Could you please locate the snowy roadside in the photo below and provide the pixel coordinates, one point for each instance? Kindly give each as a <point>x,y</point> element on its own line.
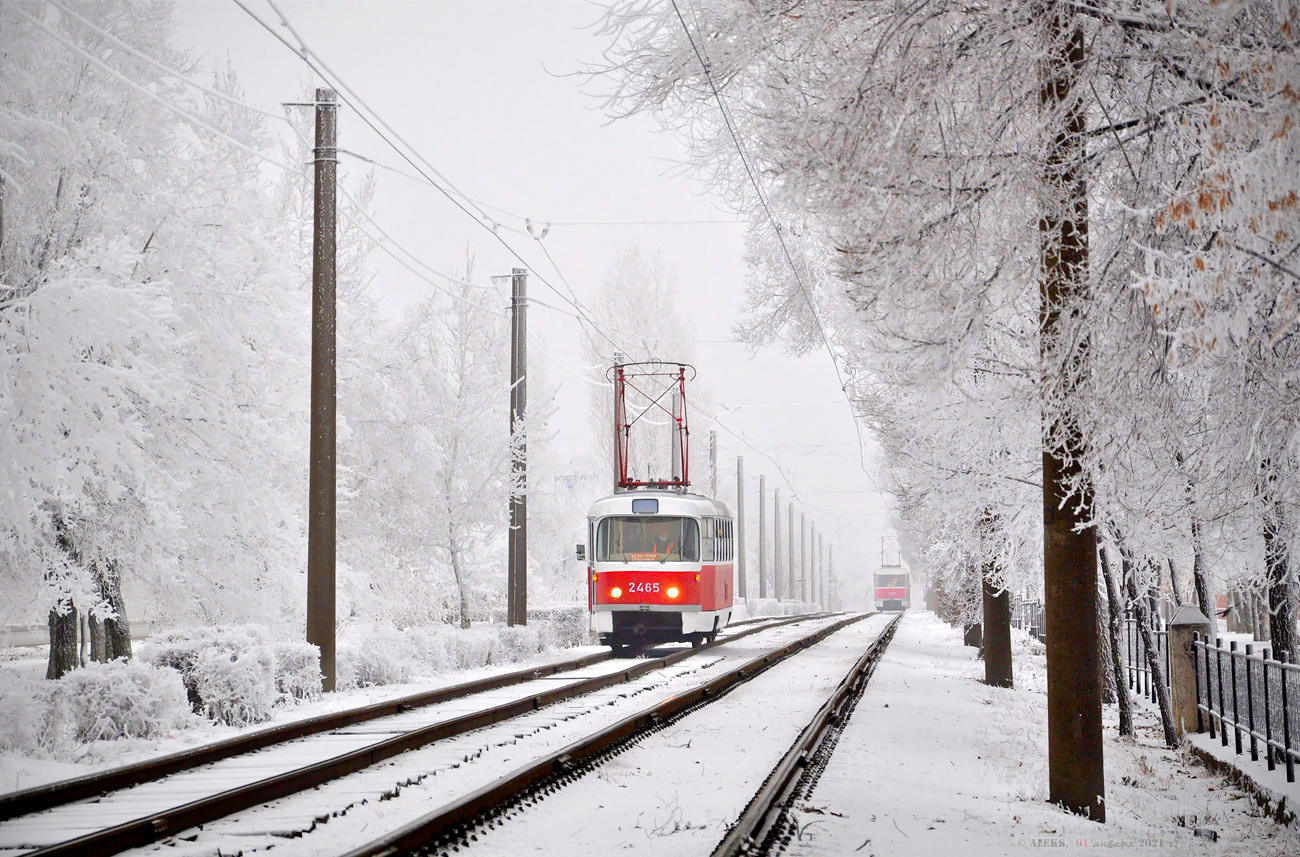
<point>935,762</point>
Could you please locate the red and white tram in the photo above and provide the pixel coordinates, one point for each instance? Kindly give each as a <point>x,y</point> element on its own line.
<point>661,567</point>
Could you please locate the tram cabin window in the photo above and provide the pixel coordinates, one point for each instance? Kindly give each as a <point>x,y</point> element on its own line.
<point>891,581</point>
<point>646,538</point>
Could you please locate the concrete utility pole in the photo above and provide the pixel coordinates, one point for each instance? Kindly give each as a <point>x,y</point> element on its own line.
<point>619,359</point>
<point>812,563</point>
<point>517,542</point>
<point>762,536</point>
<point>830,575</point>
<point>741,588</point>
<point>789,569</point>
<point>777,589</point>
<point>803,556</point>
<point>321,479</point>
<point>713,464</point>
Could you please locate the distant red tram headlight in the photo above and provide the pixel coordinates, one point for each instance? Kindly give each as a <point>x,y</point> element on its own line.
<point>615,592</point>
<point>673,592</point>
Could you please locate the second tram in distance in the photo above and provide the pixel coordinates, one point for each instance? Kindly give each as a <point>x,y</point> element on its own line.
<point>660,567</point>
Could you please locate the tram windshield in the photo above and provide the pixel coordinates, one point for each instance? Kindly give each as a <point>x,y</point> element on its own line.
<point>891,581</point>
<point>645,538</point>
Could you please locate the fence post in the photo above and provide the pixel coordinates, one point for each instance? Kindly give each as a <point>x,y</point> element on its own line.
<point>1250,707</point>
<point>1187,626</point>
<point>1286,721</point>
<point>1218,669</point>
<point>1268,717</point>
<point>1236,715</point>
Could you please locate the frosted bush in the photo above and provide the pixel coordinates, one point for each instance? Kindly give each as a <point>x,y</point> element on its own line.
<point>31,716</point>
<point>237,689</point>
<point>520,643</point>
<point>122,699</point>
<point>365,665</point>
<point>432,647</point>
<point>297,670</point>
<point>181,650</point>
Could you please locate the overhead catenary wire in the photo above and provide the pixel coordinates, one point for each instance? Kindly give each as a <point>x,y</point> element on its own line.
<point>349,96</point>
<point>387,240</point>
<point>776,227</point>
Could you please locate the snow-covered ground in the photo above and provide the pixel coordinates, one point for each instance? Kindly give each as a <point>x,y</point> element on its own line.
<point>935,762</point>
<point>19,771</point>
<point>676,791</point>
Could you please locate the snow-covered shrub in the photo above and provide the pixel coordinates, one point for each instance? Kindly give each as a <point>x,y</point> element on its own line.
<point>432,647</point>
<point>31,716</point>
<point>519,643</point>
<point>563,627</point>
<point>182,648</point>
<point>471,648</point>
<point>122,699</point>
<point>362,665</point>
<point>297,670</point>
<point>237,688</point>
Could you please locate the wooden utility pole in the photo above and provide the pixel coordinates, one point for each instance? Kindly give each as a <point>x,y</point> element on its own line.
<point>762,536</point>
<point>517,542</point>
<point>777,589</point>
<point>1076,773</point>
<point>321,505</point>
<point>741,588</point>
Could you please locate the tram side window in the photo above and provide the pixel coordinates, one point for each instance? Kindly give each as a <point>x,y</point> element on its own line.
<point>706,540</point>
<point>645,538</point>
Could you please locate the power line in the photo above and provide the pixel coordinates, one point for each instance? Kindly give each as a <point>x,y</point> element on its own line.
<point>348,95</point>
<point>744,160</point>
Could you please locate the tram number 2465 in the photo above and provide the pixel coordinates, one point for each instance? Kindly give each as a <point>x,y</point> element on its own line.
<point>643,587</point>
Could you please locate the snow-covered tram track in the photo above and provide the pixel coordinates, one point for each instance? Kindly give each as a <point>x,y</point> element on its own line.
<point>158,808</point>
<point>683,783</point>
<point>552,803</point>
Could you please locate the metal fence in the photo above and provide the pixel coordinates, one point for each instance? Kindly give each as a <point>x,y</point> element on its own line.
<point>1251,694</point>
<point>1245,692</point>
<point>1137,667</point>
<point>1030,616</point>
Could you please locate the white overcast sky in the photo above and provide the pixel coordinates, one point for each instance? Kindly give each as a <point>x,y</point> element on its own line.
<point>476,87</point>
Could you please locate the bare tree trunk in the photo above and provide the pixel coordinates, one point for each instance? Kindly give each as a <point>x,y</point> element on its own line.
<point>1108,674</point>
<point>117,629</point>
<point>63,615</point>
<point>1115,616</point>
<point>1154,663</point>
<point>462,586</point>
<point>1076,770</point>
<point>63,640</point>
<point>83,640</point>
<point>98,650</point>
<point>1204,597</point>
<point>1281,598</point>
<point>1173,583</point>
<point>997,632</point>
<point>1259,610</point>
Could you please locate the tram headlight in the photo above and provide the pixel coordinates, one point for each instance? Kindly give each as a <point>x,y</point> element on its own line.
<point>615,592</point>
<point>673,592</point>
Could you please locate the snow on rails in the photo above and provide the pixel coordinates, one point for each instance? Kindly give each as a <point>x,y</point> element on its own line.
<point>178,792</point>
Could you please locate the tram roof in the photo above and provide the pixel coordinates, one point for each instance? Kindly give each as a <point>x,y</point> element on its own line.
<point>670,503</point>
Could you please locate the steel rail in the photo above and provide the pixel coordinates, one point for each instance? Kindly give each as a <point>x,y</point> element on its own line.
<point>752,829</point>
<point>36,798</point>
<point>490,801</point>
<point>149,829</point>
